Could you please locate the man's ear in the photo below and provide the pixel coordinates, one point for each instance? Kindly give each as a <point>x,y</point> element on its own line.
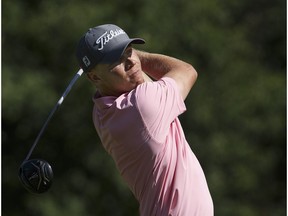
<point>91,76</point>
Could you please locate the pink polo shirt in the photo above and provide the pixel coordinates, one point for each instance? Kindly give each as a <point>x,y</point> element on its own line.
<point>142,133</point>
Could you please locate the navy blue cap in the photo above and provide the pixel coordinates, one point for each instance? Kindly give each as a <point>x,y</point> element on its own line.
<point>103,44</point>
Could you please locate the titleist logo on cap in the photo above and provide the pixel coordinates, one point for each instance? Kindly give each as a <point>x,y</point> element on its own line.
<point>106,37</point>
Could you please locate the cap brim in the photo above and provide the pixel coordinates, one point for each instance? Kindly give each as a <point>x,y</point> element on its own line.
<point>114,55</point>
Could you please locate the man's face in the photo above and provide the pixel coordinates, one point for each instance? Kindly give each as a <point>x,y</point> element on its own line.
<point>120,77</point>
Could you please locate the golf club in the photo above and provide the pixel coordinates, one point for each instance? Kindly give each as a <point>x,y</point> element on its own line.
<point>36,175</point>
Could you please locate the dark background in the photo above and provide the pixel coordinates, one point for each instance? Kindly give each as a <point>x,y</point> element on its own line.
<point>236,118</point>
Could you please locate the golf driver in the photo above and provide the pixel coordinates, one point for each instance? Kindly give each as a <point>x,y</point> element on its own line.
<point>36,175</point>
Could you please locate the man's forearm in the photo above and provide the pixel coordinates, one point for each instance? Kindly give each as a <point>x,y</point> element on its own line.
<point>157,65</point>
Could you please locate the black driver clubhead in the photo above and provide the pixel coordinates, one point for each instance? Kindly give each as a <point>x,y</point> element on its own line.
<point>36,175</point>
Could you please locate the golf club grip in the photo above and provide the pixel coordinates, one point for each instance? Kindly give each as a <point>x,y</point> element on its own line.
<point>77,75</point>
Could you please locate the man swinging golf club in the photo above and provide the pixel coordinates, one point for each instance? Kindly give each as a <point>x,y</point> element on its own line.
<point>136,118</point>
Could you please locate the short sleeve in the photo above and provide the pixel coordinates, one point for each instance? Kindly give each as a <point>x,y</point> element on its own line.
<point>159,104</point>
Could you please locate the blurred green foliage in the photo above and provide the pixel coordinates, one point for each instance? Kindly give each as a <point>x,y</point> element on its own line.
<point>236,118</point>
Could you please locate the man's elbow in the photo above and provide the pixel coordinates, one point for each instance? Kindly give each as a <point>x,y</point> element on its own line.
<point>188,80</point>
<point>192,74</point>
<point>195,74</point>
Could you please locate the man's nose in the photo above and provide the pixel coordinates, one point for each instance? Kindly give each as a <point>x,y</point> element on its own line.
<point>129,63</point>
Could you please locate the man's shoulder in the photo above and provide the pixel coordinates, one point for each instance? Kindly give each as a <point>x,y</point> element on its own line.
<point>153,93</point>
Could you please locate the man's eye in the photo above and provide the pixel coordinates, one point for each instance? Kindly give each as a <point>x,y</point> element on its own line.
<point>129,52</point>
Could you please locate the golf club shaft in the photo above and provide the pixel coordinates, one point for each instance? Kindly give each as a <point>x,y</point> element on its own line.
<point>60,101</point>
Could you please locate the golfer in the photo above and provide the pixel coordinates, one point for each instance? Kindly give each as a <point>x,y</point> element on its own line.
<point>138,99</point>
